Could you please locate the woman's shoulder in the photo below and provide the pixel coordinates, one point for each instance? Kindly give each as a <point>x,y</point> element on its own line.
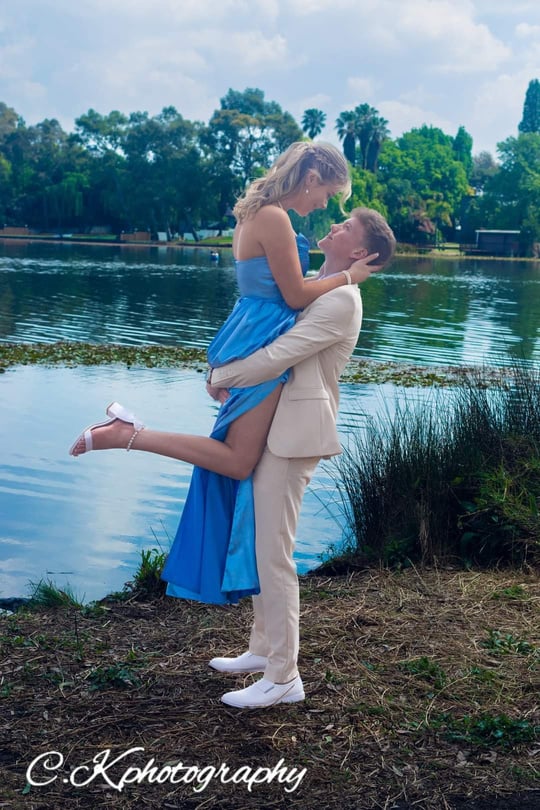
<point>272,214</point>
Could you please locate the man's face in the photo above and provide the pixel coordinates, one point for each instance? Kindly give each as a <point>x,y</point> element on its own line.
<point>345,241</point>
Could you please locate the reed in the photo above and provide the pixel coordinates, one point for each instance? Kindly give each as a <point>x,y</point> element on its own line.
<point>455,477</point>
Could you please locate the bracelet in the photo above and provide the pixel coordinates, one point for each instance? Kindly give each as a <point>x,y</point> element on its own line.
<point>347,276</point>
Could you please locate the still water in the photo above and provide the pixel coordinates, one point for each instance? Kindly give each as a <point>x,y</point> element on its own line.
<point>85,521</point>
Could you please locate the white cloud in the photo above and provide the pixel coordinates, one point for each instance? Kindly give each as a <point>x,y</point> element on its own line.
<point>498,107</point>
<point>526,31</point>
<point>462,45</point>
<point>403,117</point>
<point>305,7</point>
<point>361,87</point>
<point>249,49</point>
<point>407,58</point>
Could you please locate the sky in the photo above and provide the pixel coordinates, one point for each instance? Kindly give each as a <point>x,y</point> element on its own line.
<point>446,63</point>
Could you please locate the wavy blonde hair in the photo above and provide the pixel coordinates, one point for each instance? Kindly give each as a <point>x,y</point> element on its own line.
<point>287,174</point>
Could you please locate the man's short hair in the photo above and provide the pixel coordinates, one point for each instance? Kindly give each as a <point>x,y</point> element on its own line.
<point>379,237</point>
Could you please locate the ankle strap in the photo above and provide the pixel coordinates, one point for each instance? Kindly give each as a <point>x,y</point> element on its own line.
<point>133,437</point>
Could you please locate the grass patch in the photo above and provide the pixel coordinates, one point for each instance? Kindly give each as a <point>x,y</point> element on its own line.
<point>116,676</point>
<point>489,730</point>
<point>147,581</point>
<point>506,643</point>
<point>425,668</point>
<point>45,594</point>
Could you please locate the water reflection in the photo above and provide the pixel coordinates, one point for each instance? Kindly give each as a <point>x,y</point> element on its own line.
<point>84,521</point>
<point>433,311</point>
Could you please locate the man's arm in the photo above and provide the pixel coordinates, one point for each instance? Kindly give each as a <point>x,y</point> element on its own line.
<point>323,323</point>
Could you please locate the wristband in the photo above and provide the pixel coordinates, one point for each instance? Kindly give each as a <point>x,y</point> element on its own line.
<point>347,276</point>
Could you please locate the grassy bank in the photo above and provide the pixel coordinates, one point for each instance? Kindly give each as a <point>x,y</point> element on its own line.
<point>422,691</point>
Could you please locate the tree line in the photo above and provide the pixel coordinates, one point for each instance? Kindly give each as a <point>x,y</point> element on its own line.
<point>166,173</point>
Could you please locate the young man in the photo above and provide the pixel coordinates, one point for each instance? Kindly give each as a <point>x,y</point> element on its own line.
<point>303,431</point>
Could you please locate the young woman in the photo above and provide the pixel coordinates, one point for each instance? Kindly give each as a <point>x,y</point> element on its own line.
<point>212,558</point>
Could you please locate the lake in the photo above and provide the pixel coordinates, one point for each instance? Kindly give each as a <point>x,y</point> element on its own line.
<point>84,521</point>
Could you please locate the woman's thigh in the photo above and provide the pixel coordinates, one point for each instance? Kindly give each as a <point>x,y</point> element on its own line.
<point>247,435</point>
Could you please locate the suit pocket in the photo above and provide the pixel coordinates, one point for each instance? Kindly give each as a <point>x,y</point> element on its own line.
<point>308,393</point>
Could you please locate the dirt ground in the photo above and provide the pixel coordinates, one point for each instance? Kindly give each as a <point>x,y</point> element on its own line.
<point>421,692</point>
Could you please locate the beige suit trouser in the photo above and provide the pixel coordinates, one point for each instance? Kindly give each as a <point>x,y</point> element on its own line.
<point>278,486</point>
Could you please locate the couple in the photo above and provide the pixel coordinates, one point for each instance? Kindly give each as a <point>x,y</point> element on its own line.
<point>276,420</point>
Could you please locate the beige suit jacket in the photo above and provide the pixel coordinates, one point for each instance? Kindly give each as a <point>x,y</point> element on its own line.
<point>317,348</point>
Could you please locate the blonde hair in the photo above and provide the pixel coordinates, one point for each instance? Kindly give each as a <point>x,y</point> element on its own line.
<point>287,174</point>
<point>378,235</point>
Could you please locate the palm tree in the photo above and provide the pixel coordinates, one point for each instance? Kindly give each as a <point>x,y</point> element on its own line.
<point>379,134</point>
<point>367,124</point>
<point>313,122</point>
<point>346,130</point>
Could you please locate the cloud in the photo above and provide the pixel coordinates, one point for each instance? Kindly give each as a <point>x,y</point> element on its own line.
<point>462,45</point>
<point>250,49</point>
<point>498,107</point>
<point>526,31</point>
<point>403,117</point>
<point>361,87</point>
<point>416,57</point>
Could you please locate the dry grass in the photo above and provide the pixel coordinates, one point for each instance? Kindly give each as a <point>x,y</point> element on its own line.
<point>392,664</point>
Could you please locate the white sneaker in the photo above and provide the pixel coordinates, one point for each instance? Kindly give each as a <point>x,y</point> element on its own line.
<point>265,693</point>
<point>247,662</point>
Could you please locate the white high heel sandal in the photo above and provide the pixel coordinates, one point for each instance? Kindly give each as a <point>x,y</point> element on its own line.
<point>114,411</point>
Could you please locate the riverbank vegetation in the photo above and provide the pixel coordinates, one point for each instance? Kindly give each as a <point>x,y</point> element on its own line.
<point>135,172</point>
<point>358,370</point>
<point>421,692</point>
<point>454,477</point>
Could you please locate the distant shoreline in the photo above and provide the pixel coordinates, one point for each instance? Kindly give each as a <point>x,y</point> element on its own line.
<point>443,252</point>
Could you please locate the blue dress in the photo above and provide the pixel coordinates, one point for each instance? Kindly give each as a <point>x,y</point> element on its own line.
<point>212,558</point>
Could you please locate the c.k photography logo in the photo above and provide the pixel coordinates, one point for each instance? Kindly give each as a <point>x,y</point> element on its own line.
<point>117,772</point>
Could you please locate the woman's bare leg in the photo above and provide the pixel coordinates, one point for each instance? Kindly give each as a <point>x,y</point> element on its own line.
<point>236,457</point>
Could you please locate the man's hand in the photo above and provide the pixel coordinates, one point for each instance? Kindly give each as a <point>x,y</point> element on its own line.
<point>219,394</point>
<point>361,269</point>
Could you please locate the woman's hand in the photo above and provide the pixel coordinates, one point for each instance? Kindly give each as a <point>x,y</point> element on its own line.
<point>361,269</point>
<point>219,394</point>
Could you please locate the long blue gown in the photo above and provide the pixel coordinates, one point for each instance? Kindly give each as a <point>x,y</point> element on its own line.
<point>212,558</point>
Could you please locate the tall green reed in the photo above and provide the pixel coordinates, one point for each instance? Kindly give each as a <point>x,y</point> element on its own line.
<point>453,477</point>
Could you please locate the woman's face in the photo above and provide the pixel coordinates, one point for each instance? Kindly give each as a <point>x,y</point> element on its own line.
<point>314,195</point>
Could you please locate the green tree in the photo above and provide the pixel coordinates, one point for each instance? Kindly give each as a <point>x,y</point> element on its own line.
<point>366,190</point>
<point>371,131</point>
<point>248,133</point>
<point>484,167</point>
<point>101,133</point>
<point>9,121</point>
<point>365,126</point>
<point>530,121</point>
<point>512,196</point>
<point>424,183</point>
<point>462,146</point>
<point>313,122</point>
<point>346,130</point>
